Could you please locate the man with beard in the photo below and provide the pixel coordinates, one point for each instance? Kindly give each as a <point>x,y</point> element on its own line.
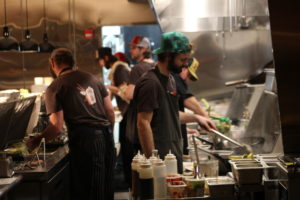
<point>158,119</point>
<point>80,100</point>
<point>141,52</point>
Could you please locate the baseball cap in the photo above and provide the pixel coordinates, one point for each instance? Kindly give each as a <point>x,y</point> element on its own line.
<point>121,56</point>
<point>173,42</point>
<point>140,41</point>
<point>192,67</point>
<point>104,51</point>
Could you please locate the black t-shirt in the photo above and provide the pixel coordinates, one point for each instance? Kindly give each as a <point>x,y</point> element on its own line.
<point>182,90</point>
<point>183,93</point>
<point>121,75</point>
<point>80,96</point>
<point>138,70</point>
<point>156,93</point>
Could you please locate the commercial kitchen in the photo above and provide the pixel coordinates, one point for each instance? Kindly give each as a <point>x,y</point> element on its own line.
<point>248,56</point>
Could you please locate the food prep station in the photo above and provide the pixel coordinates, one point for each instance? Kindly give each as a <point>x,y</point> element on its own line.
<point>263,114</point>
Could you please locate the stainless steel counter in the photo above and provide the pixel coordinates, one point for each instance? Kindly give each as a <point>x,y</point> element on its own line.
<point>47,182</point>
<point>50,167</point>
<point>6,184</point>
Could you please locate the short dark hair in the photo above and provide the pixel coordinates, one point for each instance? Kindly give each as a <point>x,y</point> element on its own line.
<point>112,59</point>
<point>63,56</point>
<point>104,51</point>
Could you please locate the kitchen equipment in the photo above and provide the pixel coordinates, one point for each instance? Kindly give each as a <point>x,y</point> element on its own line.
<point>224,166</point>
<point>242,147</point>
<point>220,187</point>
<point>248,172</point>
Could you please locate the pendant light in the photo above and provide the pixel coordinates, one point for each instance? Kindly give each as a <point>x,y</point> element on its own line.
<point>45,46</point>
<point>7,42</point>
<point>28,44</point>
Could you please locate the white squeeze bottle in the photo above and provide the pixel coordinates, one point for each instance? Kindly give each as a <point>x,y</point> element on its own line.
<point>171,163</point>
<point>159,179</point>
<point>153,158</point>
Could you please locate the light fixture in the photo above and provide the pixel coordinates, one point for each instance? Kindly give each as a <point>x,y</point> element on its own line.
<point>45,46</point>
<point>28,44</point>
<point>7,42</point>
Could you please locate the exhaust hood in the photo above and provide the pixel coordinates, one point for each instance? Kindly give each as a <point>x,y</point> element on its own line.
<point>210,15</point>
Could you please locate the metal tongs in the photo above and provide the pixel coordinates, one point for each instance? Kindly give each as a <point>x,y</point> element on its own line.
<point>244,147</point>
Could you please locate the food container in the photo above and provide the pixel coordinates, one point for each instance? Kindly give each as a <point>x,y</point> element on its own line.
<point>195,187</point>
<point>176,189</point>
<point>173,177</point>
<point>221,186</point>
<point>272,170</point>
<point>248,172</point>
<point>209,168</point>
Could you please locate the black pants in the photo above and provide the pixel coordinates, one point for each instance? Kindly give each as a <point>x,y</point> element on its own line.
<point>126,151</point>
<point>92,160</point>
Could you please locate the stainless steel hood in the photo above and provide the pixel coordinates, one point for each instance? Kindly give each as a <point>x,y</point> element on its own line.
<point>230,38</point>
<point>210,15</point>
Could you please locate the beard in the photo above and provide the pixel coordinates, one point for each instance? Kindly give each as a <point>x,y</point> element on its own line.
<point>172,67</point>
<point>52,73</point>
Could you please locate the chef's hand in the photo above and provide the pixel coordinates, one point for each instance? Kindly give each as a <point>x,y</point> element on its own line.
<point>33,142</point>
<point>192,131</point>
<point>205,123</point>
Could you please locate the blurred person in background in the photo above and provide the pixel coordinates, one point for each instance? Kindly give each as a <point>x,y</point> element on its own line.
<point>119,77</point>
<point>140,50</point>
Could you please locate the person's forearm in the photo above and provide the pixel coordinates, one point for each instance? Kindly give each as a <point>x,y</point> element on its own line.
<point>129,91</point>
<point>145,137</point>
<point>113,89</point>
<point>192,104</point>
<point>50,133</point>
<point>111,116</point>
<point>186,117</point>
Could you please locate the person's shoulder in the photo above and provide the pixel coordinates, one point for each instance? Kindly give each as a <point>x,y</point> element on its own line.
<point>149,78</point>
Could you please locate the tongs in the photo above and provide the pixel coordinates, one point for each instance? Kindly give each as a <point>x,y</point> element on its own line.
<point>244,147</point>
<point>217,156</point>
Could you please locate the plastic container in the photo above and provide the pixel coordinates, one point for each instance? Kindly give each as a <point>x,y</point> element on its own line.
<point>176,189</point>
<point>146,180</point>
<point>221,187</point>
<point>195,187</point>
<point>171,163</point>
<point>209,168</point>
<point>159,179</point>
<point>173,177</point>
